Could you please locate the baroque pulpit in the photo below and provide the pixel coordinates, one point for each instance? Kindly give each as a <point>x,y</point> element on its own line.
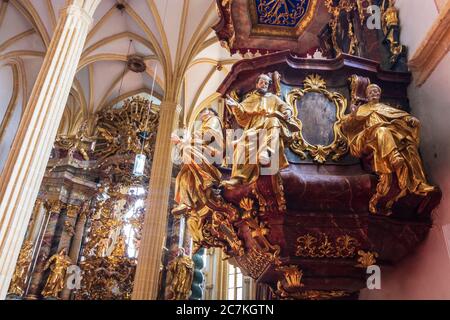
<point>313,227</point>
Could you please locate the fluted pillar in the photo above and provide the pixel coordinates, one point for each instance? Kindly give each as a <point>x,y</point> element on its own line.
<point>25,167</point>
<point>153,234</point>
<point>75,247</point>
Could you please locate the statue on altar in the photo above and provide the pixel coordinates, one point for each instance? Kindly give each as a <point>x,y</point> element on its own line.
<point>268,123</point>
<point>391,30</point>
<point>81,142</point>
<point>58,265</point>
<point>391,136</point>
<point>20,273</point>
<point>180,276</point>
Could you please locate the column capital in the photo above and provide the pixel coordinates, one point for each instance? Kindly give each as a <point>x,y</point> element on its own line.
<point>79,12</point>
<point>170,105</point>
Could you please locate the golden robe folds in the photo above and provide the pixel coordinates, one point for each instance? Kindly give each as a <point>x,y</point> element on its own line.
<point>261,115</point>
<point>392,137</point>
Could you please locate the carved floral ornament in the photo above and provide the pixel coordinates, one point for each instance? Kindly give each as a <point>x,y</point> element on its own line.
<point>320,153</point>
<point>281,18</point>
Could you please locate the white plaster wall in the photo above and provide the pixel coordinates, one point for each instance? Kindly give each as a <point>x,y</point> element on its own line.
<point>416,18</point>
<point>6,88</point>
<point>10,132</point>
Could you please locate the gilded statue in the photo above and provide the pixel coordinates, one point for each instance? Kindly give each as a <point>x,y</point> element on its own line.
<point>58,265</point>
<point>391,137</point>
<point>198,173</point>
<point>17,286</point>
<point>391,29</point>
<point>266,118</point>
<point>120,250</point>
<point>81,141</point>
<point>180,276</point>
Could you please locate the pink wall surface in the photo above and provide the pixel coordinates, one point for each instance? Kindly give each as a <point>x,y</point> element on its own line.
<point>425,274</point>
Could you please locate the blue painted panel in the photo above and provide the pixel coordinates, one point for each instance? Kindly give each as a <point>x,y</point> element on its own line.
<point>286,13</point>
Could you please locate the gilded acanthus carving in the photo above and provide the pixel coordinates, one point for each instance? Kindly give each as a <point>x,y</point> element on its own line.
<point>291,287</point>
<point>292,278</point>
<point>390,137</point>
<point>366,259</point>
<point>320,153</point>
<point>321,246</point>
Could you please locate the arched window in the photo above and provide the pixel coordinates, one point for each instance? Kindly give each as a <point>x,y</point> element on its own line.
<point>235,283</point>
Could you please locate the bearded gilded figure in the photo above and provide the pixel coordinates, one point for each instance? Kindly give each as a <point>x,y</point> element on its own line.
<point>391,136</point>
<point>266,118</point>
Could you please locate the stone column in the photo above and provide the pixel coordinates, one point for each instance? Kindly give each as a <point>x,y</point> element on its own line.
<point>75,247</point>
<point>74,252</point>
<point>153,234</point>
<point>44,249</point>
<point>69,226</point>
<point>36,221</point>
<point>25,167</point>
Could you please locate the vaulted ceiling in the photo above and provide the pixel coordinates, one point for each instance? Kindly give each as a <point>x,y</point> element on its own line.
<point>174,38</point>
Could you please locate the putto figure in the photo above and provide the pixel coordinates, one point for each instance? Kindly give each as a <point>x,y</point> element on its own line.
<point>391,136</point>
<point>58,265</point>
<point>268,122</point>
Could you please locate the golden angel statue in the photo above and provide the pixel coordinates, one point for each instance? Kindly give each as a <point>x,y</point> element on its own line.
<point>17,286</point>
<point>264,117</point>
<point>391,136</point>
<point>180,276</point>
<point>58,265</point>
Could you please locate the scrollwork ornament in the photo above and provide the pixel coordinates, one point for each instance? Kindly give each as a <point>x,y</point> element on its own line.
<point>339,147</point>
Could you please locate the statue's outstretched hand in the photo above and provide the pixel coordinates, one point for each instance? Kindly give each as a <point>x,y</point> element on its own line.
<point>286,114</point>
<point>231,102</point>
<point>413,122</point>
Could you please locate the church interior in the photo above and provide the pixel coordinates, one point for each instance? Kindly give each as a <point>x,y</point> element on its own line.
<point>224,150</point>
